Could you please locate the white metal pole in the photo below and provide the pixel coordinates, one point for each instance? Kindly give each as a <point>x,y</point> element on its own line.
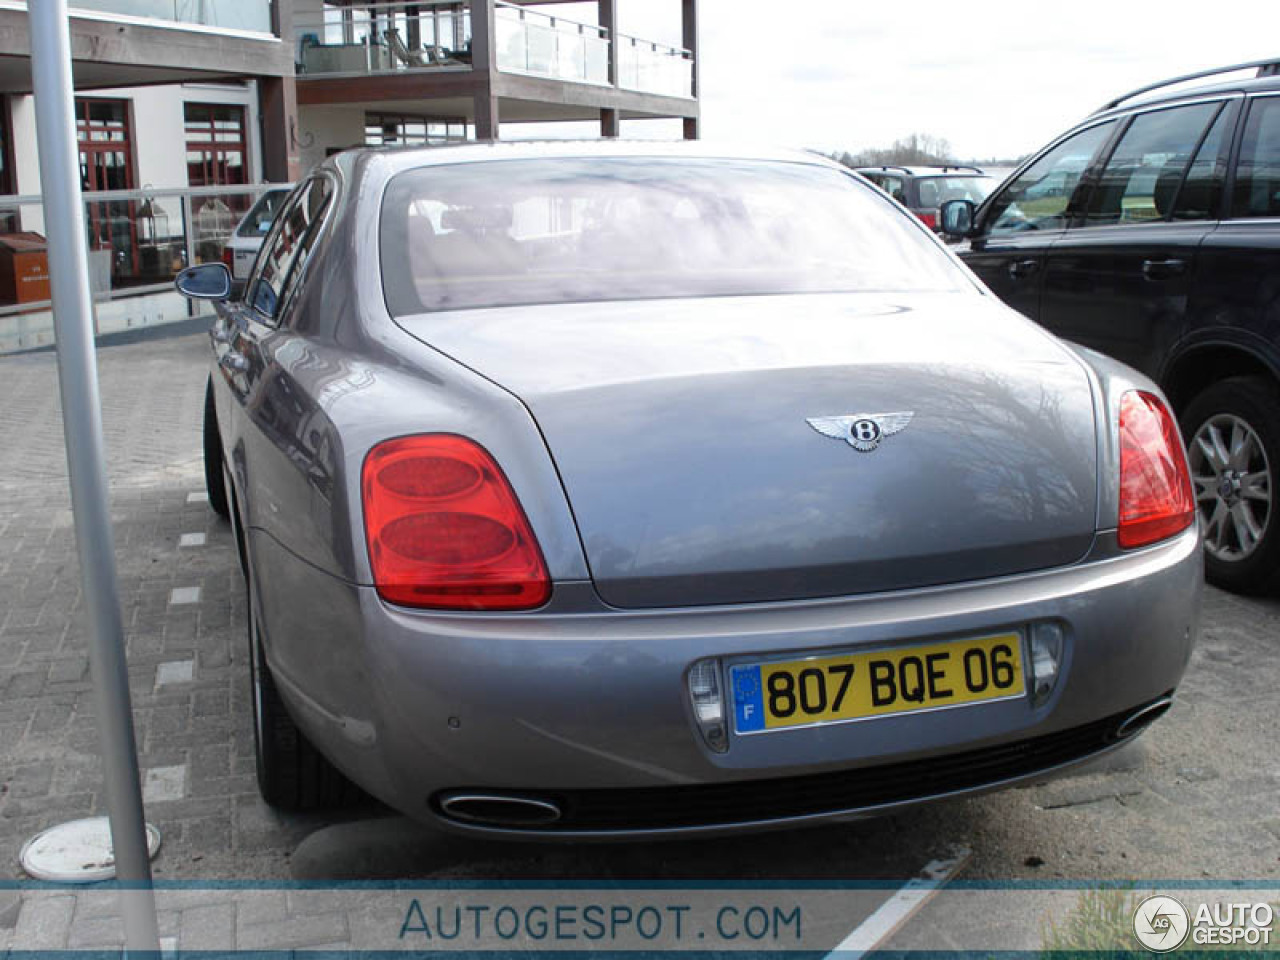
<point>82,428</point>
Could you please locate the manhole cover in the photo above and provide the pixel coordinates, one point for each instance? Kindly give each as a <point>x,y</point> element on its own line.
<point>76,852</point>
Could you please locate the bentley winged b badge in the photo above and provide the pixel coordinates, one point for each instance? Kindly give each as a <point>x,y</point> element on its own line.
<point>862,431</point>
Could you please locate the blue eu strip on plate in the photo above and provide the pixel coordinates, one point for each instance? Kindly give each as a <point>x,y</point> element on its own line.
<point>748,703</point>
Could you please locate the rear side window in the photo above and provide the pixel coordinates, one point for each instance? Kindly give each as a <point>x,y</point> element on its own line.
<point>1201,195</point>
<point>1039,198</point>
<point>1140,182</point>
<point>1257,190</point>
<point>575,229</point>
<point>288,245</point>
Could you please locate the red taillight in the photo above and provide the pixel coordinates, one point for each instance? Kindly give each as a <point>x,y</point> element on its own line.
<point>228,257</point>
<point>445,529</point>
<point>930,220</point>
<point>1156,500</point>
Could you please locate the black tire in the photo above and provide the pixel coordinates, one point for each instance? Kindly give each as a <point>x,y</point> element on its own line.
<point>292,773</point>
<point>214,483</point>
<point>1235,495</point>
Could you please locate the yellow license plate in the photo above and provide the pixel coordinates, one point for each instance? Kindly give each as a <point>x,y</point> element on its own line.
<point>792,693</point>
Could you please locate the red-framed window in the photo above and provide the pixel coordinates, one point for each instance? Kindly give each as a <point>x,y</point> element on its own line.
<point>105,136</point>
<point>217,151</point>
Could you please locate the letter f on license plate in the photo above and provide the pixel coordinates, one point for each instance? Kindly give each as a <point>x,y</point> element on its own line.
<point>793,693</point>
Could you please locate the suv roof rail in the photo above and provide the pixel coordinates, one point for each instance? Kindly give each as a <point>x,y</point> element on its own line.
<point>960,166</point>
<point>885,166</point>
<point>1266,68</point>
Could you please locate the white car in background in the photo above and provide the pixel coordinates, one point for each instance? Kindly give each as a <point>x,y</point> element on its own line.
<point>246,239</point>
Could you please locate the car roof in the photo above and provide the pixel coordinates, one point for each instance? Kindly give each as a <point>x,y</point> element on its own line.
<point>1267,78</point>
<point>393,160</point>
<point>950,170</point>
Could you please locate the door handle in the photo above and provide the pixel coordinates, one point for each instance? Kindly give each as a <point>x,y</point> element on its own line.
<point>1023,268</point>
<point>233,362</point>
<point>1160,269</point>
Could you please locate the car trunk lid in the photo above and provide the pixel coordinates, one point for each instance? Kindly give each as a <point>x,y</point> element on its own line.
<point>679,429</point>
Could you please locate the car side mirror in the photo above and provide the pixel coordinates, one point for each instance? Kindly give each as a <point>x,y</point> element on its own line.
<point>956,218</point>
<point>207,281</point>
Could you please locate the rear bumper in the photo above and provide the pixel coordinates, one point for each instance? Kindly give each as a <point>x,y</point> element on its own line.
<point>587,706</point>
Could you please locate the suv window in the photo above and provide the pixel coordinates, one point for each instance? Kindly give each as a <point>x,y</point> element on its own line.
<point>289,241</point>
<point>1140,181</point>
<point>1039,197</point>
<point>895,187</point>
<point>1257,191</point>
<point>1201,195</point>
<point>935,191</point>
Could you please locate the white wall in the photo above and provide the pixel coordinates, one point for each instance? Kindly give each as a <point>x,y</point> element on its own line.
<point>325,128</point>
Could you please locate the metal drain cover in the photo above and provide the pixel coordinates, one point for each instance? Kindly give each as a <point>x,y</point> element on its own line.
<point>77,852</point>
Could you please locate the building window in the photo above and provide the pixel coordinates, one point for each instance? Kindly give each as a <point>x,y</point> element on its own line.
<point>216,150</point>
<point>397,130</point>
<point>217,156</point>
<point>106,163</point>
<point>6,150</point>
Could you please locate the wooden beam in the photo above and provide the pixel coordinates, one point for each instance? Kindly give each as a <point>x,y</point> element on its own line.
<point>425,84</point>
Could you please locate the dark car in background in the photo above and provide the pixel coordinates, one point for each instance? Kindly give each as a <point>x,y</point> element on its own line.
<point>1151,232</point>
<point>922,190</point>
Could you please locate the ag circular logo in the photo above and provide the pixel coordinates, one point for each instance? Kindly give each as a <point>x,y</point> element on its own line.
<point>868,431</point>
<point>1161,923</point>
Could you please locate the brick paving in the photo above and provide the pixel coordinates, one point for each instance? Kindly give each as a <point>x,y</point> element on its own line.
<point>185,663</point>
<point>1201,797</point>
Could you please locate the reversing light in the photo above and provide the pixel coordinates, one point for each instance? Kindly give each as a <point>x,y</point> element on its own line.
<point>1046,660</point>
<point>445,529</point>
<point>1156,500</point>
<point>708,704</point>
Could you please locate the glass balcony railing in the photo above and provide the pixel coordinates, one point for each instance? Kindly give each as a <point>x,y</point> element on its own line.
<point>654,68</point>
<point>247,15</point>
<point>340,39</point>
<point>382,37</point>
<point>138,241</point>
<point>536,43</point>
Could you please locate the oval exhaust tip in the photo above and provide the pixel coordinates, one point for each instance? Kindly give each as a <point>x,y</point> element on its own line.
<point>498,810</point>
<point>1140,719</point>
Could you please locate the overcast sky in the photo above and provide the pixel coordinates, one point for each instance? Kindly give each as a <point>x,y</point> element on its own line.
<point>993,78</point>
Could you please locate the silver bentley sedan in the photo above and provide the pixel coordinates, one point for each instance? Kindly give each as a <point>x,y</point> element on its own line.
<point>634,489</point>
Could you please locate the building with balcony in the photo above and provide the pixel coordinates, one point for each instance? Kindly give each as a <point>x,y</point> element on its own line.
<point>366,67</point>
<point>186,107</point>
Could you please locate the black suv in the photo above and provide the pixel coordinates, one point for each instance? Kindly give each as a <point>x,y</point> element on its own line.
<point>1151,232</point>
<point>922,190</point>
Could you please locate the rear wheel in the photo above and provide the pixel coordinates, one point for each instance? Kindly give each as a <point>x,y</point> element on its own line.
<point>214,483</point>
<point>1232,431</point>
<point>292,773</point>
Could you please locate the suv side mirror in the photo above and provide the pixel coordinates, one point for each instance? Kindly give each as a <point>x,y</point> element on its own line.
<point>208,281</point>
<point>955,217</point>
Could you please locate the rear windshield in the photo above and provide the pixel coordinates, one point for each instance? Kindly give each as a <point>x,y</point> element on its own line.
<point>257,221</point>
<point>564,230</point>
<point>935,191</point>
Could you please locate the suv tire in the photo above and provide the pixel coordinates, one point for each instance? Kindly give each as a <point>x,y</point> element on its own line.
<point>1232,431</point>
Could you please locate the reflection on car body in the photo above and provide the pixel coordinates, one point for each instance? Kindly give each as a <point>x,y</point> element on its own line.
<point>540,540</point>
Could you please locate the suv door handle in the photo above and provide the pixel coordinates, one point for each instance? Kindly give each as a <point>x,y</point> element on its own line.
<point>1161,269</point>
<point>1023,268</point>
